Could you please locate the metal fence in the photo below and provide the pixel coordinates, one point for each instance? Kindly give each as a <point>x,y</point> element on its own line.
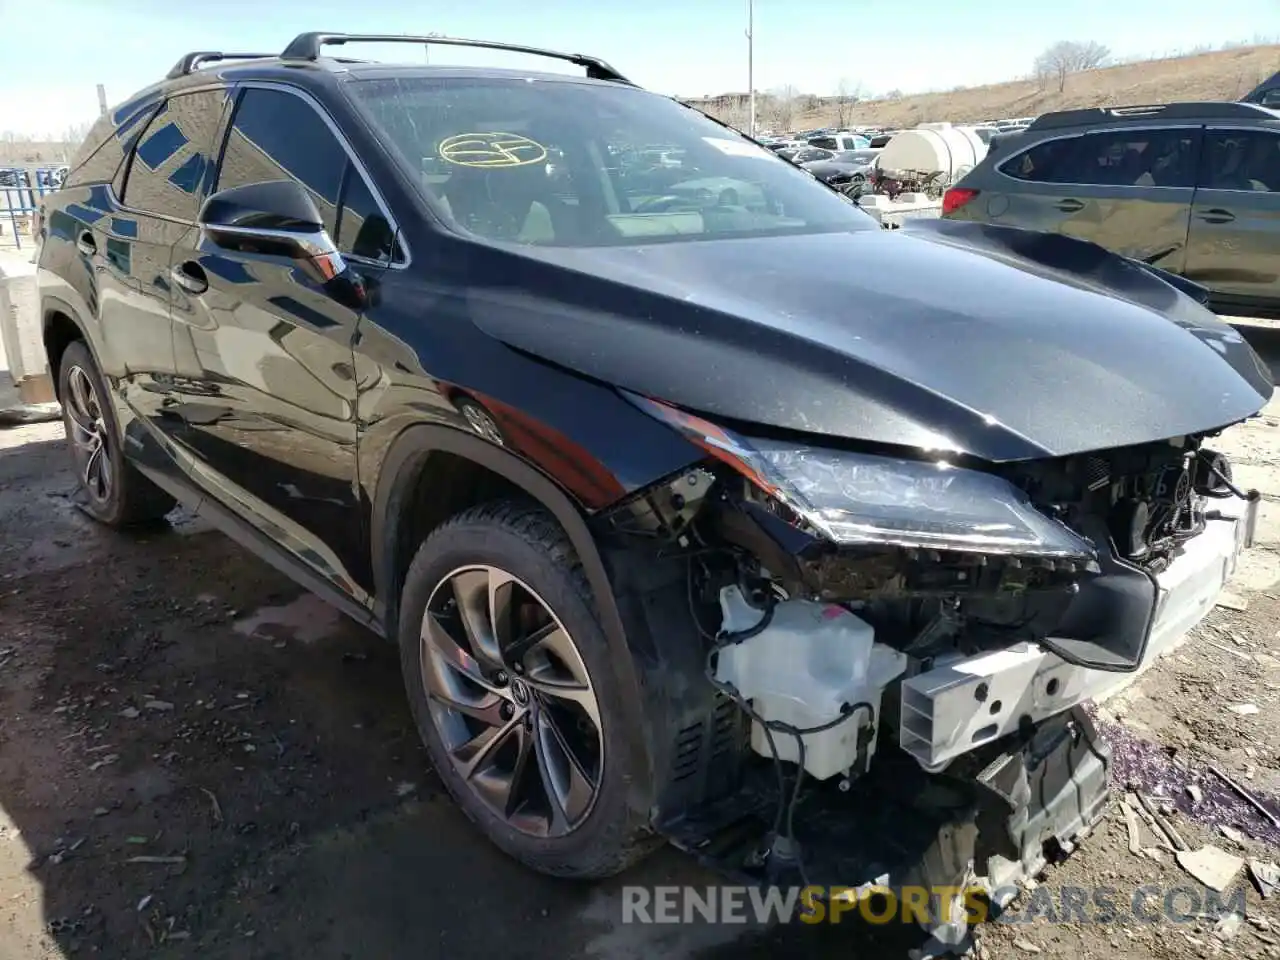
<point>21,189</point>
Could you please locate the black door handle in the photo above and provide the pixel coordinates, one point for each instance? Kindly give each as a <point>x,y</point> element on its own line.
<point>1069,205</point>
<point>190,276</point>
<point>86,244</point>
<point>1216,215</point>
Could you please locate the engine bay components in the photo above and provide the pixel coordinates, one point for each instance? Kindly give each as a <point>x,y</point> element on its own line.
<point>807,666</point>
<point>914,637</point>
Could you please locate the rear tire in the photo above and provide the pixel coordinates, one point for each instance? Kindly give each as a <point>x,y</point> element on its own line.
<point>114,492</point>
<point>536,731</point>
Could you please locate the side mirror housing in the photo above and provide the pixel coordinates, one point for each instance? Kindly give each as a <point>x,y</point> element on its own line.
<point>274,218</point>
<point>274,205</point>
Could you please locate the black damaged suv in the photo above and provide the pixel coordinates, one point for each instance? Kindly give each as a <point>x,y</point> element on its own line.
<point>700,507</point>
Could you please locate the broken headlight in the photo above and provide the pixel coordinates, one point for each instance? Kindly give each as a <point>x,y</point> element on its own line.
<point>858,498</point>
<point>867,499</point>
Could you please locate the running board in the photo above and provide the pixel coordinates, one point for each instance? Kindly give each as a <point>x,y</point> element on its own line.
<point>242,532</point>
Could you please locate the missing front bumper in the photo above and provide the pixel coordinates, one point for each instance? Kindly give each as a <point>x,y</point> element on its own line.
<point>963,704</point>
<point>1041,800</point>
<point>928,839</point>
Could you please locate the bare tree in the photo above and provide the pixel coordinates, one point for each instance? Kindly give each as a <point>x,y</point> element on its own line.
<point>736,114</point>
<point>1042,70</point>
<point>1067,57</point>
<point>848,92</point>
<point>783,107</point>
<point>1055,62</point>
<point>75,134</point>
<point>1091,55</point>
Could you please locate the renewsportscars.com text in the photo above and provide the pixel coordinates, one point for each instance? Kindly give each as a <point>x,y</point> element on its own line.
<point>910,904</point>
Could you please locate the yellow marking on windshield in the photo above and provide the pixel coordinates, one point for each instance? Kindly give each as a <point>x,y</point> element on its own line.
<point>491,150</point>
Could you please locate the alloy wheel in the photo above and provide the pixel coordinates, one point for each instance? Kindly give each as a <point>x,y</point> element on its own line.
<point>512,701</point>
<point>90,438</point>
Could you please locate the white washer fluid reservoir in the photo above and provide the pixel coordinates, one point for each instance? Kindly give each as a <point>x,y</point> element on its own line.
<point>801,669</point>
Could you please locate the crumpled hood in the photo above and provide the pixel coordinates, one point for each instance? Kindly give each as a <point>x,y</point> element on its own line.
<point>996,342</point>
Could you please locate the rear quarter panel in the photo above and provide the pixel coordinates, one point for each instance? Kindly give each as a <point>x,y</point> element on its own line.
<point>68,280</point>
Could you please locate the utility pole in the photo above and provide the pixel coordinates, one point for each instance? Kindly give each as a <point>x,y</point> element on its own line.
<point>751,74</point>
<point>426,47</point>
<point>102,100</point>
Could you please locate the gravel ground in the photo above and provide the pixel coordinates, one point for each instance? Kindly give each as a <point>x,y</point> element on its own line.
<point>196,759</point>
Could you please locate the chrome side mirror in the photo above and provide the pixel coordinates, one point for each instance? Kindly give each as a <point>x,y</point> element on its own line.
<point>275,218</point>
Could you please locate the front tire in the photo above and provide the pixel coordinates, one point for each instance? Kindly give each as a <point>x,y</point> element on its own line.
<point>509,679</point>
<point>115,493</point>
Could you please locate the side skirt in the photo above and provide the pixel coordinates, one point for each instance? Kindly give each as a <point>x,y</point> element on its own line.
<point>243,533</point>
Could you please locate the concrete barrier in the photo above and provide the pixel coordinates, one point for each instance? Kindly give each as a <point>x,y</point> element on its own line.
<point>26,387</point>
<point>907,206</point>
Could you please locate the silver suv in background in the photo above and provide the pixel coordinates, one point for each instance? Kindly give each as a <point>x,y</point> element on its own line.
<point>1192,188</point>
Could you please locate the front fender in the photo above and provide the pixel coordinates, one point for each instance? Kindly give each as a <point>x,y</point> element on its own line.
<point>401,472</point>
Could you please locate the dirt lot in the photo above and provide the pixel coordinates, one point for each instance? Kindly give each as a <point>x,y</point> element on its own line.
<point>198,760</point>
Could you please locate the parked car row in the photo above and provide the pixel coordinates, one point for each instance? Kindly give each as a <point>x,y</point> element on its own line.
<point>50,177</point>
<point>849,169</point>
<point>830,141</point>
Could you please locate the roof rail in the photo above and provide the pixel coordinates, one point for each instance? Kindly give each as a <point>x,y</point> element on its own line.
<point>1208,110</point>
<point>192,61</point>
<point>306,46</point>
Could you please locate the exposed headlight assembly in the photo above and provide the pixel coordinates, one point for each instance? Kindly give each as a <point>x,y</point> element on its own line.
<point>865,499</point>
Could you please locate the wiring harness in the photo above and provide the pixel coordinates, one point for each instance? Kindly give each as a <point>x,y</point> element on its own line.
<point>783,849</point>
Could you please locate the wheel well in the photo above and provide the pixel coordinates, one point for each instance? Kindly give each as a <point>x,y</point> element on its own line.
<point>430,473</point>
<point>60,331</point>
<point>447,484</point>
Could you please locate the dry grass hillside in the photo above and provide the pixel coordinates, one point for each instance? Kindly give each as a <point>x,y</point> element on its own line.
<point>1221,75</point>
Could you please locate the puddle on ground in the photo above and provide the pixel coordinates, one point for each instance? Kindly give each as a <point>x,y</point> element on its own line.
<point>1150,767</point>
<point>306,620</point>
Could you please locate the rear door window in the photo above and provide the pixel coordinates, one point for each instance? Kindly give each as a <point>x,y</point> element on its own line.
<point>107,144</point>
<point>1046,162</point>
<point>172,162</point>
<point>1246,160</point>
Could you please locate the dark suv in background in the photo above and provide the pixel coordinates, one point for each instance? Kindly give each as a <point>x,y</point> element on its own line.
<point>1193,188</point>
<point>690,496</point>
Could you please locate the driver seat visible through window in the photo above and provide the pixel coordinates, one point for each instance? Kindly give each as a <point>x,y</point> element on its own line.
<point>508,203</point>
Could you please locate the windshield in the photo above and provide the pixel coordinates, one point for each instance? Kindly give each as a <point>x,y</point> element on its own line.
<point>857,156</point>
<point>575,164</point>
